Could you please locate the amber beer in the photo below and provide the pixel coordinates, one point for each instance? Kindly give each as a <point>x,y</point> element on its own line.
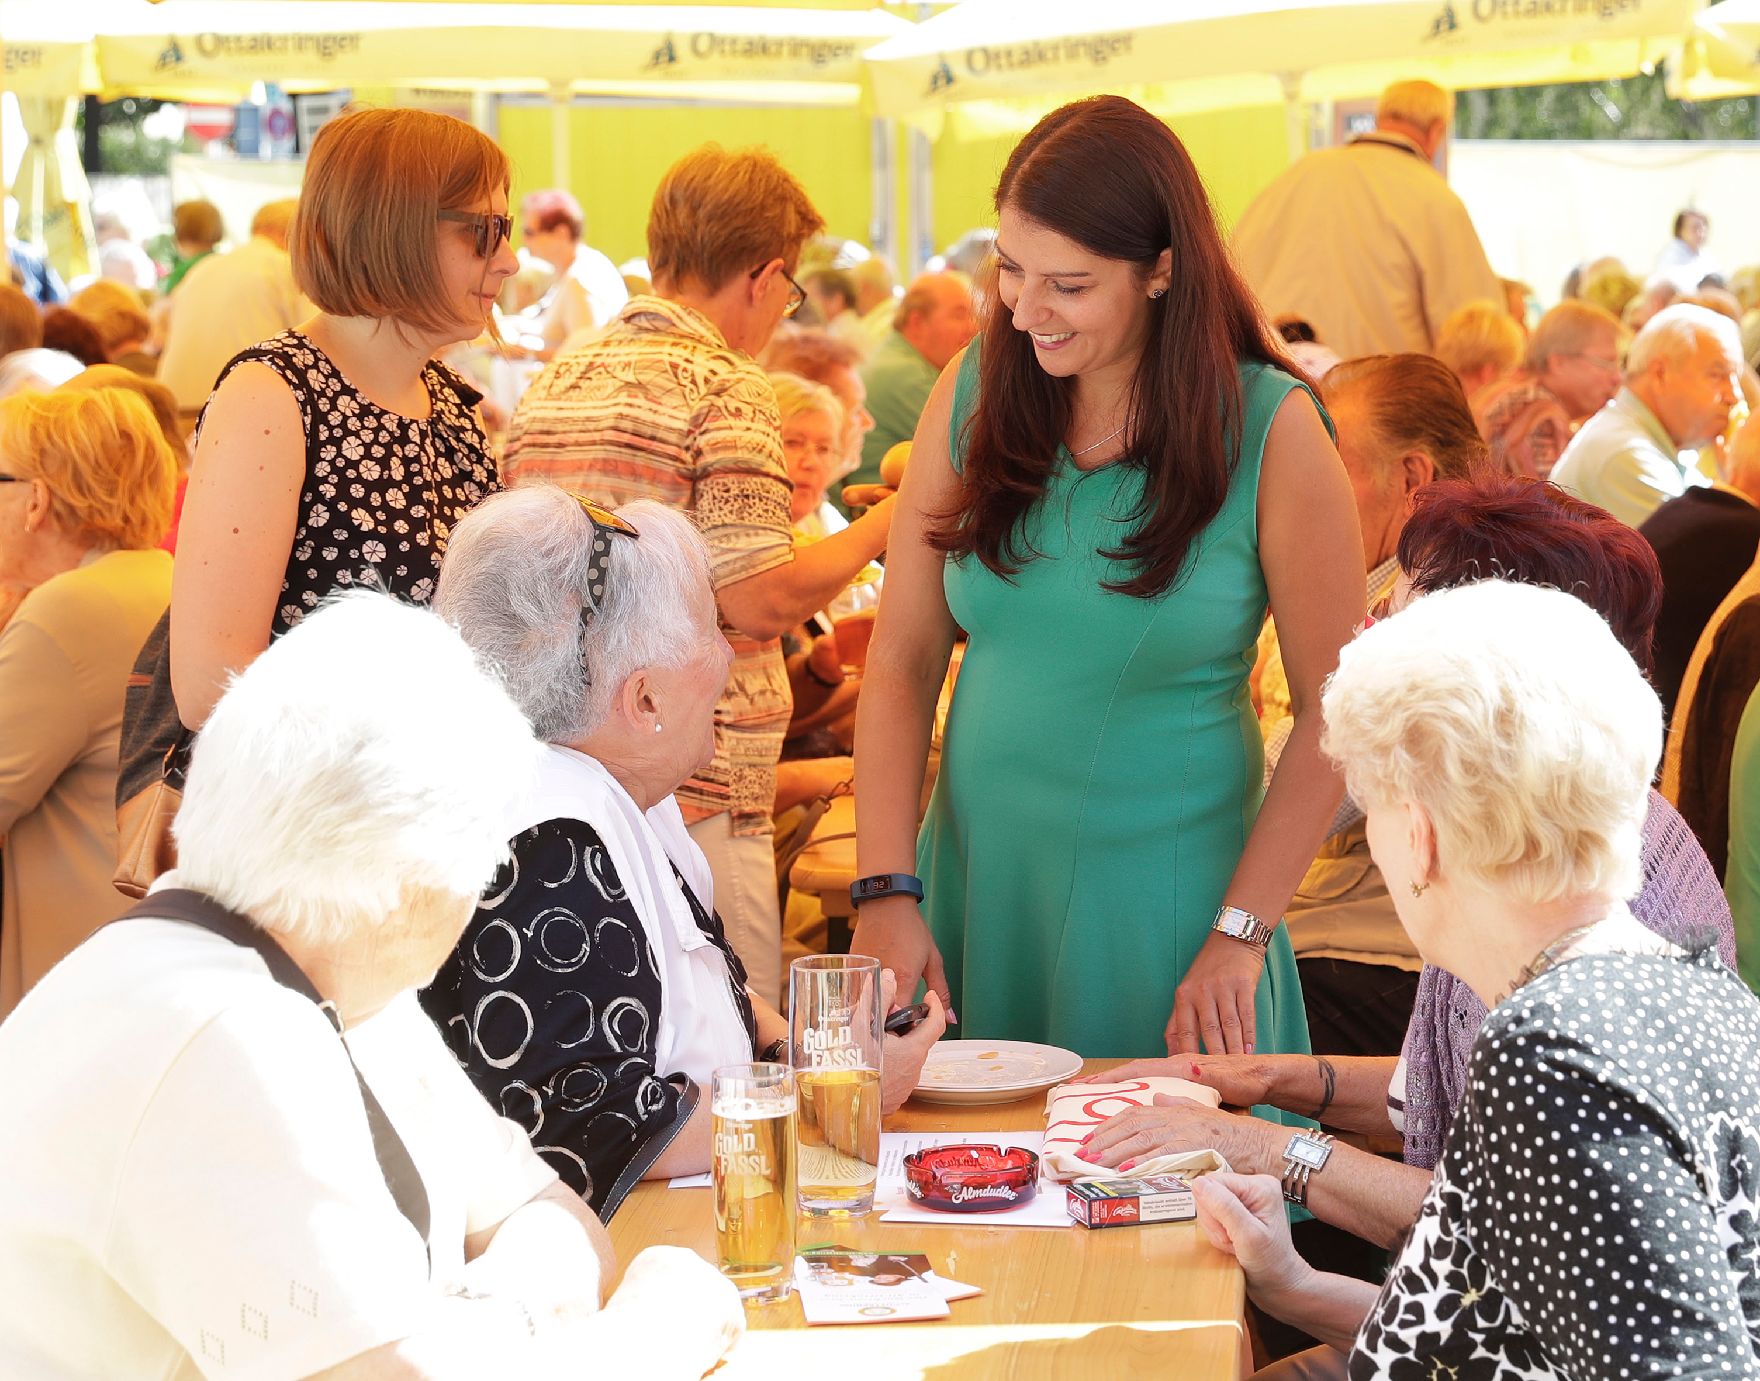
<point>752,1154</point>
<point>834,1020</point>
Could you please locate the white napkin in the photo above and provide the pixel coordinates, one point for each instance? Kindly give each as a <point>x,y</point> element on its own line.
<point>1072,1111</point>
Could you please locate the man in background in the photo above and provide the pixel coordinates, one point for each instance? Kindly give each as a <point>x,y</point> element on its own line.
<point>1682,378</point>
<point>1683,263</point>
<point>229,302</point>
<point>1367,242</point>
<point>933,322</point>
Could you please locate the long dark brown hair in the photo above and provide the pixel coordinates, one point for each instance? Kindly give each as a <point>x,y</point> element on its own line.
<point>1108,175</point>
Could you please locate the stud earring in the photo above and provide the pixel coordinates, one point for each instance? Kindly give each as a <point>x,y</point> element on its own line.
<point>1158,292</point>
<point>658,728</point>
<point>1419,890</point>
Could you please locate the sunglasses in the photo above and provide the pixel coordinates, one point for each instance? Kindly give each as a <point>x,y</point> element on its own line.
<point>606,524</point>
<point>797,295</point>
<point>492,231</point>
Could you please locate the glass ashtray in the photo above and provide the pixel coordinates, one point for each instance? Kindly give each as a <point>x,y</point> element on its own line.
<point>972,1179</point>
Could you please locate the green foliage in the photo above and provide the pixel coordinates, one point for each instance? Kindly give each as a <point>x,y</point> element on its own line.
<point>123,147</point>
<point>1633,108</point>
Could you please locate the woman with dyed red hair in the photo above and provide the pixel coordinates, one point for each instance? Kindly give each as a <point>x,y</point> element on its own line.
<point>1106,490</point>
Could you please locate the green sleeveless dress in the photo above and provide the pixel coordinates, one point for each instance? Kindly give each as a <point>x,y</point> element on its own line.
<point>1101,768</point>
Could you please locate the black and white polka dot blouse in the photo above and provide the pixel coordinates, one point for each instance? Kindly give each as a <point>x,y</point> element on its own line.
<point>1594,1212</point>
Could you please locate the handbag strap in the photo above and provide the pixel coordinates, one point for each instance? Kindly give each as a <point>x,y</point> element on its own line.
<point>690,1093</point>
<point>395,1163</point>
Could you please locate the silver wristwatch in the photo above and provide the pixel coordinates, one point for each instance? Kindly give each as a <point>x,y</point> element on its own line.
<point>1243,926</point>
<point>1306,1153</point>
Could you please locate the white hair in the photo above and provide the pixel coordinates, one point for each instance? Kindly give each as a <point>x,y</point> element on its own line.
<point>1674,333</point>
<point>1420,104</point>
<point>1519,723</point>
<point>365,759</point>
<point>36,370</point>
<point>514,583</point>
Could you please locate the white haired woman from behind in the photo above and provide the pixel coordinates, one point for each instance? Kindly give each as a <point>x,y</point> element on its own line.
<point>596,985</point>
<point>192,1183</point>
<point>1592,1212</point>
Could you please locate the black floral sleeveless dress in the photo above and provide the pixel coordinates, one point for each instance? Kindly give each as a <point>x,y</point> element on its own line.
<point>382,492</point>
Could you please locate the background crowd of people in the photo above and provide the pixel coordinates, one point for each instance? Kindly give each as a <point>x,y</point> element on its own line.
<point>1201,531</point>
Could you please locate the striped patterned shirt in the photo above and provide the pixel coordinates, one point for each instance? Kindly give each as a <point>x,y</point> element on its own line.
<point>661,407</point>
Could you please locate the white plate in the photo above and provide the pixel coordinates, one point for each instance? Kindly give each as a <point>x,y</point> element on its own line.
<point>993,1071</point>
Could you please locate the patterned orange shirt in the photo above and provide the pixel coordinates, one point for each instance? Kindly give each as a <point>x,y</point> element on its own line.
<point>661,407</point>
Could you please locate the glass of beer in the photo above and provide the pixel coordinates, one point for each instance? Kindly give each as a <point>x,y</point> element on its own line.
<point>853,633</point>
<point>834,1017</point>
<point>752,1165</point>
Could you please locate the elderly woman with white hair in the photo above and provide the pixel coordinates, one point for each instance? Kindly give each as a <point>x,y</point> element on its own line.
<point>1592,1212</point>
<point>234,1145</point>
<point>594,991</point>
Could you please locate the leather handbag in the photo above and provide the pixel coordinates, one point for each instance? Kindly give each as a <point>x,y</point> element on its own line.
<point>152,761</point>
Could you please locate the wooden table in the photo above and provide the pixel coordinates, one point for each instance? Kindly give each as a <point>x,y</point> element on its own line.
<point>1058,1302</point>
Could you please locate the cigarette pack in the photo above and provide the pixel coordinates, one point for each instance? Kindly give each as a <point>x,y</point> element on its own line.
<point>1116,1203</point>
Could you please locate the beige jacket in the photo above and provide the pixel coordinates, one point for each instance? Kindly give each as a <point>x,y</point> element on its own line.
<point>64,660</point>
<point>1367,244</point>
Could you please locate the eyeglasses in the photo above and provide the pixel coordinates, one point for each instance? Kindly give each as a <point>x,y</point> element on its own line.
<point>492,231</point>
<point>797,295</point>
<point>605,525</point>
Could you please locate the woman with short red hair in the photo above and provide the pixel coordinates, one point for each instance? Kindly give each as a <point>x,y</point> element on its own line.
<point>340,453</point>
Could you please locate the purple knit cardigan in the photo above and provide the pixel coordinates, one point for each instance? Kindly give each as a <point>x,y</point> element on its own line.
<point>1681,901</point>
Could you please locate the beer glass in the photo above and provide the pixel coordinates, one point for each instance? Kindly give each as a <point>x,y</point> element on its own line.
<point>834,1017</point>
<point>752,1164</point>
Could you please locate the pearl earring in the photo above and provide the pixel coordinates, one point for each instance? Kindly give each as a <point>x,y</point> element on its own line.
<point>659,728</point>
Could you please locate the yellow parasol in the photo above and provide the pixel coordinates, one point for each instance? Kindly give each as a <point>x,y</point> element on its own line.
<point>1215,54</point>
<point>1722,57</point>
<point>216,49</point>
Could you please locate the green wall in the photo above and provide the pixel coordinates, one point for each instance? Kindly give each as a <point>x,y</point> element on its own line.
<point>618,152</point>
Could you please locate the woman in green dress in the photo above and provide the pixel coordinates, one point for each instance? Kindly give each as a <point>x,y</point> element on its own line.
<point>1105,492</point>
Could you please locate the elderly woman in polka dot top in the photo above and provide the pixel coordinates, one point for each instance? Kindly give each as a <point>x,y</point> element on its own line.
<point>1593,1210</point>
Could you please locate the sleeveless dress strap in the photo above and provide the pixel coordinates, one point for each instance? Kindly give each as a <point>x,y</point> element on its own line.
<point>965,403</point>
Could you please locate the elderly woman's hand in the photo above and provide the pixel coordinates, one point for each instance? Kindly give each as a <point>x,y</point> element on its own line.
<point>1241,1080</point>
<point>901,1059</point>
<point>1170,1126</point>
<point>1244,1216</point>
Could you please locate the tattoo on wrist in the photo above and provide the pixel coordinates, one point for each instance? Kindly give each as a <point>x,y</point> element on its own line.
<point>1328,1086</point>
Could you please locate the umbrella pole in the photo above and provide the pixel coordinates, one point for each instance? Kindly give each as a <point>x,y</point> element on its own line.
<point>883,226</point>
<point>1295,114</point>
<point>561,112</point>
